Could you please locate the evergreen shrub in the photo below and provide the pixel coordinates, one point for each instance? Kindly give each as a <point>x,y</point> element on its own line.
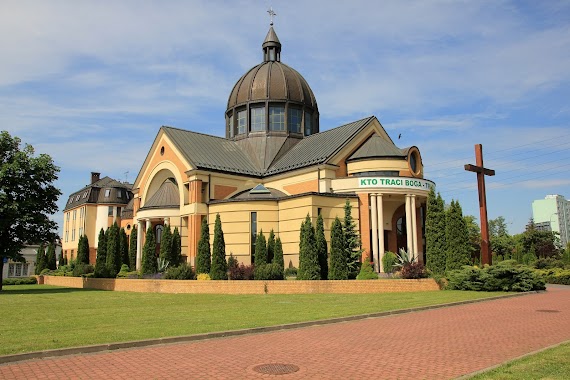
<point>20,281</point>
<point>82,269</point>
<point>219,268</point>
<point>548,263</point>
<point>389,261</point>
<point>180,272</point>
<point>270,271</point>
<point>555,276</point>
<point>291,272</point>
<point>367,272</point>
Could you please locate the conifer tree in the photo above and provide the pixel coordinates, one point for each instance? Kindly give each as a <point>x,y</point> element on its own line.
<point>101,260</point>
<point>219,269</point>
<point>41,261</point>
<point>457,238</point>
<point>321,246</point>
<point>435,234</point>
<point>351,242</point>
<point>270,246</point>
<point>83,250</point>
<point>176,250</point>
<point>203,259</point>
<point>260,250</point>
<point>61,261</point>
<point>50,257</point>
<point>124,247</point>
<point>338,270</point>
<point>309,268</point>
<point>149,264</point>
<point>133,250</point>
<point>166,244</point>
<point>113,251</point>
<point>278,255</point>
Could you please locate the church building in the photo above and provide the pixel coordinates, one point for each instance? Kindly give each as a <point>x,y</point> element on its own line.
<point>273,167</point>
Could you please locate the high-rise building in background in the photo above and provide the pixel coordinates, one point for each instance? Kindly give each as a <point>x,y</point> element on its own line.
<point>554,212</point>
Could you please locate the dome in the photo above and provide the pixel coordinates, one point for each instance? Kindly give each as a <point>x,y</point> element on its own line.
<point>271,99</point>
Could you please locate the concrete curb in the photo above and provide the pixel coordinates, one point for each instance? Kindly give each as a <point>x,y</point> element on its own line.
<point>231,333</point>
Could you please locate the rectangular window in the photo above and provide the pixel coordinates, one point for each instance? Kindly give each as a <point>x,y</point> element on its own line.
<point>119,193</point>
<point>294,118</point>
<point>107,193</point>
<point>231,126</point>
<point>258,119</point>
<point>11,270</point>
<point>308,124</point>
<point>241,121</point>
<point>253,228</point>
<point>110,211</point>
<point>74,214</point>
<point>118,211</point>
<point>66,236</point>
<point>319,210</point>
<point>85,194</point>
<point>77,197</point>
<point>68,216</point>
<point>25,268</point>
<point>80,231</point>
<point>276,118</point>
<point>18,272</point>
<point>73,234</point>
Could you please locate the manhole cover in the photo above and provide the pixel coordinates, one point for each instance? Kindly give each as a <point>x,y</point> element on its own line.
<point>276,368</point>
<point>548,311</point>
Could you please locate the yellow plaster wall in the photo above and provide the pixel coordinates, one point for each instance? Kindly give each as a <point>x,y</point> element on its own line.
<point>377,165</point>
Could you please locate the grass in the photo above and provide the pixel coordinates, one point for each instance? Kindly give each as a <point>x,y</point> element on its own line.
<point>551,364</point>
<point>39,317</point>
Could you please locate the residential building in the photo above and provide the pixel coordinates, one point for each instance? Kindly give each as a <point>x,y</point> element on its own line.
<point>554,211</point>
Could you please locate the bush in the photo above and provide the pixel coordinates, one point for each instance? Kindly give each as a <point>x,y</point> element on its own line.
<point>291,272</point>
<point>241,272</point>
<point>367,272</point>
<point>548,263</point>
<point>389,261</point>
<point>45,271</point>
<point>413,270</point>
<point>181,272</point>
<point>506,276</point>
<point>555,276</point>
<point>82,269</point>
<point>20,281</point>
<point>203,277</point>
<point>271,271</point>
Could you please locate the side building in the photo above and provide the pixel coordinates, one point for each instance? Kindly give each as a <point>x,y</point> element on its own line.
<point>553,213</point>
<point>96,206</point>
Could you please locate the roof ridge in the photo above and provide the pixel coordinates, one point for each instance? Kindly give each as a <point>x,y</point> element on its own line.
<point>194,132</point>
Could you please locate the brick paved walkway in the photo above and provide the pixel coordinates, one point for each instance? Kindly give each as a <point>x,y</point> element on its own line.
<point>434,344</point>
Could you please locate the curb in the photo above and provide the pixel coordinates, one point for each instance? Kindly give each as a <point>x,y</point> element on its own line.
<point>231,333</point>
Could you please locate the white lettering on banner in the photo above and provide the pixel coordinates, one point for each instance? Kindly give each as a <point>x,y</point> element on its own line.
<point>395,182</point>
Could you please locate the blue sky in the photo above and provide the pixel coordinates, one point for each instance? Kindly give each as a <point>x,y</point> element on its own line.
<point>91,82</point>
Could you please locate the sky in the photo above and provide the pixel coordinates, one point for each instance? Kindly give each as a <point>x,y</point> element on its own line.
<point>91,82</point>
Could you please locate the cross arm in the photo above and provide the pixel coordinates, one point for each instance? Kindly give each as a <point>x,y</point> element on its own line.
<point>478,169</point>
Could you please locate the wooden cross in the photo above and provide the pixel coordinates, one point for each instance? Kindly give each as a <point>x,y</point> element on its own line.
<point>481,173</point>
<point>271,14</point>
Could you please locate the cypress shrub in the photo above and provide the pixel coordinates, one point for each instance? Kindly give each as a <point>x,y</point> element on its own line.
<point>278,256</point>
<point>41,261</point>
<point>176,250</point>
<point>50,257</point>
<point>367,272</point>
<point>260,250</point>
<point>83,250</point>
<point>351,242</point>
<point>149,264</point>
<point>133,250</point>
<point>113,251</point>
<point>456,238</point>
<point>338,269</point>
<point>270,246</point>
<point>203,260</point>
<point>435,234</point>
<point>180,272</point>
<point>321,245</point>
<point>389,261</point>
<point>219,269</point>
<point>309,268</point>
<point>101,259</point>
<point>166,245</point>
<point>61,259</point>
<point>123,247</point>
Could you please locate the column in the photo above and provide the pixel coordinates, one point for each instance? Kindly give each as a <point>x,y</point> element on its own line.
<point>414,226</point>
<point>380,207</point>
<point>374,215</point>
<point>167,221</point>
<point>140,232</point>
<point>409,224</point>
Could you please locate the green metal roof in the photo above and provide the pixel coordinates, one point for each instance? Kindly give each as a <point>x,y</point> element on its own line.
<point>376,147</point>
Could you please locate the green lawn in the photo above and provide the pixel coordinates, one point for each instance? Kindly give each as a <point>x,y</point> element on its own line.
<point>39,317</point>
<point>550,364</point>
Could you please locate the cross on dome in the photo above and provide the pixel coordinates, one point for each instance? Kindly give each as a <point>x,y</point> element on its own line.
<point>271,14</point>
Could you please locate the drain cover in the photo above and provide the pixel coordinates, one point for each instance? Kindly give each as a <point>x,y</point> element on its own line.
<point>548,311</point>
<point>276,368</point>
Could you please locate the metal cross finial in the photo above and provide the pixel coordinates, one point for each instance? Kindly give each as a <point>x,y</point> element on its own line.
<point>271,14</point>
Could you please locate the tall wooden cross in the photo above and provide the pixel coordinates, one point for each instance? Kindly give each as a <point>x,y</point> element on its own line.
<point>481,173</point>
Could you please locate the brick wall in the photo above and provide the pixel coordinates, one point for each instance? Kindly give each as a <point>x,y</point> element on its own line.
<point>243,287</point>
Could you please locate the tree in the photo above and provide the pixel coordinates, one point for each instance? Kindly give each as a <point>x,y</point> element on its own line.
<point>351,242</point>
<point>124,247</point>
<point>435,233</point>
<point>278,255</point>
<point>41,261</point>
<point>541,243</point>
<point>260,256</point>
<point>27,198</point>
<point>456,238</point>
<point>321,246</point>
<point>474,233</point>
<point>337,269</point>
<point>219,269</point>
<point>308,260</point>
<point>502,244</point>
<point>83,250</point>
<point>149,264</point>
<point>113,251</point>
<point>203,259</point>
<point>101,259</point>
<point>62,260</point>
<point>270,246</point>
<point>50,257</point>
<point>166,244</point>
<point>176,250</point>
<point>133,250</point>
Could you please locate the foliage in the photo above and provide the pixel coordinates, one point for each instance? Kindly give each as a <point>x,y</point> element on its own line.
<point>389,262</point>
<point>126,272</point>
<point>505,276</point>
<point>81,269</point>
<point>27,198</point>
<point>404,258</point>
<point>113,260</point>
<point>278,254</point>
<point>176,251</point>
<point>203,259</point>
<point>555,275</point>
<point>203,277</point>
<point>238,271</point>
<point>123,247</point>
<point>20,281</point>
<point>351,242</point>
<point>101,260</point>
<point>83,250</point>
<point>474,233</point>
<point>161,264</point>
<point>367,272</point>
<point>308,261</point>
<point>270,246</point>
<point>413,270</point>
<point>50,257</point>
<point>260,250</point>
<point>133,250</point>
<point>41,260</point>
<point>501,242</point>
<point>165,243</point>
<point>540,243</point>
<point>566,255</point>
<point>435,233</point>
<point>149,264</point>
<point>338,269</point>
<point>271,271</point>
<point>321,245</point>
<point>456,238</point>
<point>62,260</point>
<point>548,263</point>
<point>219,269</point>
<point>291,272</point>
<point>180,272</point>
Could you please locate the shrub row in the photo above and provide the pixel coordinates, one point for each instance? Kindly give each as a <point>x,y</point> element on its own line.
<point>19,281</point>
<point>555,276</point>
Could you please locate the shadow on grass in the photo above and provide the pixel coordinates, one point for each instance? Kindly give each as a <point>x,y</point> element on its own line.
<point>6,290</point>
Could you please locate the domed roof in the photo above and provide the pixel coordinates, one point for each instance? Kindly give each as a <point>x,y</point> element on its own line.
<point>272,80</point>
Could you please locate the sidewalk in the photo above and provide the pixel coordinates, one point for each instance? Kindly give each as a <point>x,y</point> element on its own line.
<point>434,344</point>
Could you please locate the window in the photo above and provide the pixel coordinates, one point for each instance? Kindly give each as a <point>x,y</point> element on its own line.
<point>277,118</point>
<point>294,117</point>
<point>80,231</point>
<point>119,193</point>
<point>241,121</point>
<point>18,270</point>
<point>308,125</point>
<point>110,211</point>
<point>118,211</point>
<point>158,229</point>
<point>74,214</point>
<point>11,268</point>
<point>85,194</point>
<point>73,235</point>
<point>107,193</point>
<point>253,228</point>
<point>70,200</point>
<point>77,198</point>
<point>66,236</point>
<point>258,119</point>
<point>68,216</point>
<point>231,129</point>
<point>25,268</point>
